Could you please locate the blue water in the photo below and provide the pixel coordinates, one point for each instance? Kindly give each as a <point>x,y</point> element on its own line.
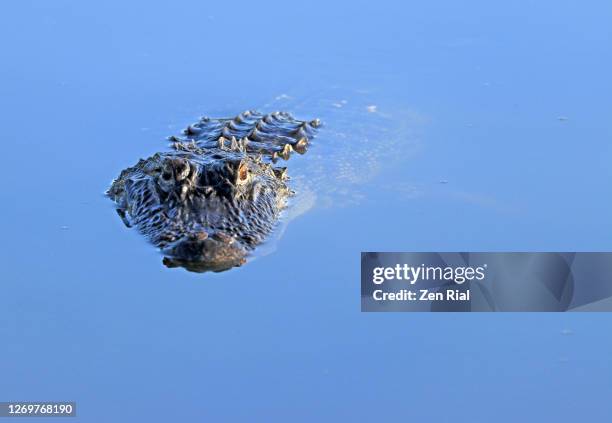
<point>498,139</point>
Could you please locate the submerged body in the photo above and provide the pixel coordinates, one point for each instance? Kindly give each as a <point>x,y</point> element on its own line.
<point>217,194</point>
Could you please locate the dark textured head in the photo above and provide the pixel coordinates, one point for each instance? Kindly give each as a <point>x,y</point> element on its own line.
<point>204,209</point>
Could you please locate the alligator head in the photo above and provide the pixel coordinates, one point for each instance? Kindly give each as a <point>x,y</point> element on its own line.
<point>205,211</point>
<point>211,200</point>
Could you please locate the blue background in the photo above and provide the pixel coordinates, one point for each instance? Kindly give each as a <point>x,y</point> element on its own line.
<point>510,105</point>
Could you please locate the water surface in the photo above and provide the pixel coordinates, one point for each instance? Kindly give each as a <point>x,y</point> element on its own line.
<point>448,126</point>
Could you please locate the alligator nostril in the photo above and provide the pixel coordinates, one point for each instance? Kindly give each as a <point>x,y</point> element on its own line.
<point>201,236</point>
<point>197,236</point>
<point>223,237</point>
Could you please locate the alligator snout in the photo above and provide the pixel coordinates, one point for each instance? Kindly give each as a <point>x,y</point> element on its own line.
<point>202,252</point>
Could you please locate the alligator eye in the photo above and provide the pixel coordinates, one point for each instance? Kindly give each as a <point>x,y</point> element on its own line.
<point>243,172</point>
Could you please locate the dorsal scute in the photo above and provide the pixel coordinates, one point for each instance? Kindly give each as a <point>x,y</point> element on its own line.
<point>273,135</point>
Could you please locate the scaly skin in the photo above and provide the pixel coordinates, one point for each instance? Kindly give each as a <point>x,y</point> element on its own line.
<point>217,195</point>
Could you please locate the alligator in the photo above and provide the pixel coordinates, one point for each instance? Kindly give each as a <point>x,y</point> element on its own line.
<point>218,193</point>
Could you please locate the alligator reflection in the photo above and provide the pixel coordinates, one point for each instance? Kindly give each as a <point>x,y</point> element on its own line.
<point>201,266</point>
